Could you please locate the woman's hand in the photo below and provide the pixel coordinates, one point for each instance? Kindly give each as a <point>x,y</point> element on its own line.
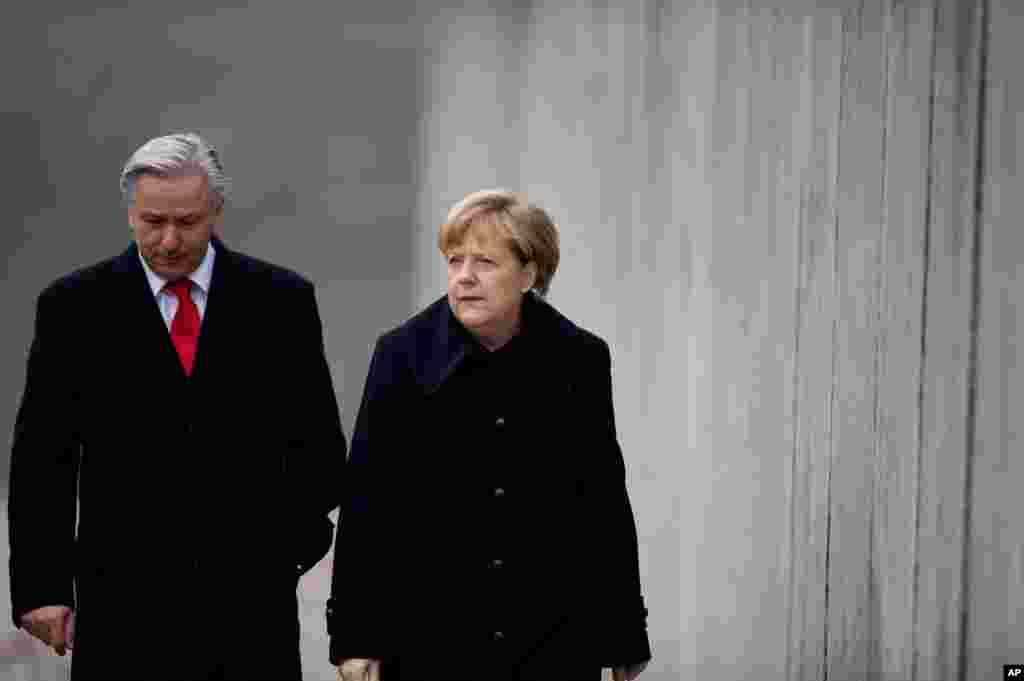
<point>628,672</point>
<point>359,669</point>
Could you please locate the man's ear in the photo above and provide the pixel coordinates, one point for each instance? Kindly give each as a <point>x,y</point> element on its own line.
<point>218,213</point>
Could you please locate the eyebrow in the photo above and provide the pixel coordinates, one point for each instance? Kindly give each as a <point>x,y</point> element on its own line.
<point>474,254</point>
<point>158,214</point>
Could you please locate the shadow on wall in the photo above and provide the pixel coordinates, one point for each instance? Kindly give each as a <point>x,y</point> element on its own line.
<point>322,161</point>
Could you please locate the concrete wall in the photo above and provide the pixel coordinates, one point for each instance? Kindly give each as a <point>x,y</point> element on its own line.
<point>793,221</point>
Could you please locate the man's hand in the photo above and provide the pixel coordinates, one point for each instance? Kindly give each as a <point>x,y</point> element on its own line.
<point>628,672</point>
<point>54,625</point>
<point>359,669</point>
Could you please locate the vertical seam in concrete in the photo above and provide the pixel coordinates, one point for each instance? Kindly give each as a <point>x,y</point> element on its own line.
<point>923,354</point>
<point>972,362</point>
<point>835,334</point>
<point>795,407</point>
<point>828,469</point>
<point>873,611</point>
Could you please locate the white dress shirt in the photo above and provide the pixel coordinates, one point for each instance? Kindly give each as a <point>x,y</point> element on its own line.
<point>167,301</point>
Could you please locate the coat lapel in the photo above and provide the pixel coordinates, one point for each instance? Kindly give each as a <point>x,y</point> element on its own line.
<point>220,303</point>
<point>445,346</point>
<point>448,343</point>
<point>143,319</point>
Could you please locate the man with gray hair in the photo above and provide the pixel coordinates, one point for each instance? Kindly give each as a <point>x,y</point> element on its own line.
<point>177,447</point>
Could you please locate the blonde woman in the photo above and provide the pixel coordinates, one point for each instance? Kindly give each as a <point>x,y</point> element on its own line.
<point>487,534</point>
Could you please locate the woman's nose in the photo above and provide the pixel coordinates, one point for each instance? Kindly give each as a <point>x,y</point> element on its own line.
<point>465,273</point>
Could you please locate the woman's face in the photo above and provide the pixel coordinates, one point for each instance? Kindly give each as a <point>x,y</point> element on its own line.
<point>486,283</point>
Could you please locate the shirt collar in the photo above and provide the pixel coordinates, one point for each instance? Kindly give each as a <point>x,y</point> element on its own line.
<point>201,277</point>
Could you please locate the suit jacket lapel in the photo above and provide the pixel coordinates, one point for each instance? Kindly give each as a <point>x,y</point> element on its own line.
<point>216,318</point>
<point>145,323</point>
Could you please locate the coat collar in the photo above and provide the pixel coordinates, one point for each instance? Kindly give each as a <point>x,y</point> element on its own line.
<point>138,291</point>
<point>129,262</point>
<point>450,343</point>
<point>201,277</point>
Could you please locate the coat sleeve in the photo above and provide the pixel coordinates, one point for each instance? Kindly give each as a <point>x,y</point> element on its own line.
<point>315,457</point>
<point>44,467</point>
<point>357,609</point>
<point>622,629</point>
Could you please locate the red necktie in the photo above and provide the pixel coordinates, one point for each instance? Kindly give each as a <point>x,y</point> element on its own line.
<point>185,325</point>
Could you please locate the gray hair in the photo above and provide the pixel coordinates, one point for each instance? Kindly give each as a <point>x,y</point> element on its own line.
<point>173,154</point>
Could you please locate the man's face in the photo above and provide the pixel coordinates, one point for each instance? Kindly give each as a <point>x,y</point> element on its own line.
<point>172,218</point>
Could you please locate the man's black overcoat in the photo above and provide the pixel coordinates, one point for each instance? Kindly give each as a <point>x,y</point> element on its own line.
<point>202,498</point>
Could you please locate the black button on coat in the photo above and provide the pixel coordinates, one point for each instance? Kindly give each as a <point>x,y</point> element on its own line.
<point>487,532</point>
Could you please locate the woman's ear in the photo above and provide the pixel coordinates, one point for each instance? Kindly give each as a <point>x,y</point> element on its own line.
<point>530,276</point>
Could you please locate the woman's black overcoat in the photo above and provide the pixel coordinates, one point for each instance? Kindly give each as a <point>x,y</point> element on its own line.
<point>487,533</point>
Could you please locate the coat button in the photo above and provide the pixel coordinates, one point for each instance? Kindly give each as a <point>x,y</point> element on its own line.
<point>500,422</point>
<point>497,563</point>
<point>499,635</point>
<point>499,491</point>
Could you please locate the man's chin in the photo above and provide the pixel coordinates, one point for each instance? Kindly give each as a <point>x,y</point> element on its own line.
<point>171,270</point>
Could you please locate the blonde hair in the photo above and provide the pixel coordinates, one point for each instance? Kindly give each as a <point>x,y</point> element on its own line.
<point>527,230</point>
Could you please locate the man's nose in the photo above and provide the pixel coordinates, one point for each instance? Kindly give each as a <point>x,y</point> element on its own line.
<point>170,239</point>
